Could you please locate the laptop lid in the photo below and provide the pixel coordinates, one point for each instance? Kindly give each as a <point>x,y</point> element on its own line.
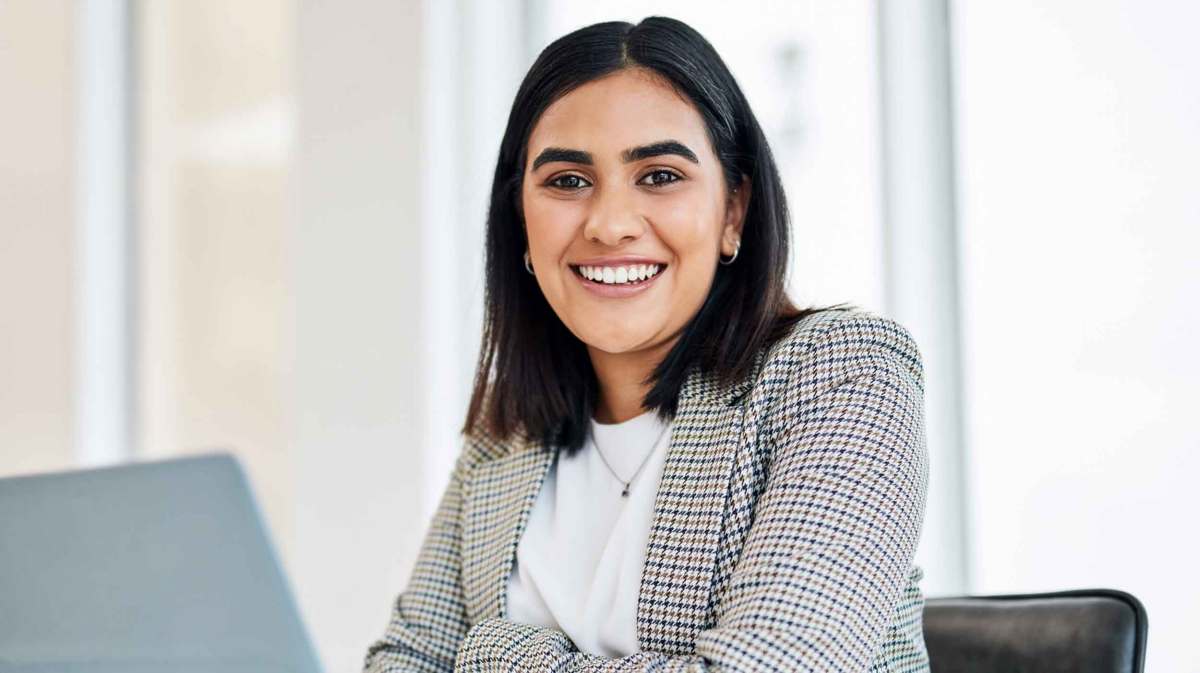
<point>149,566</point>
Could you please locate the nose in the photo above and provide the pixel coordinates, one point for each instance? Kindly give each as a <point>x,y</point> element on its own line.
<point>614,219</point>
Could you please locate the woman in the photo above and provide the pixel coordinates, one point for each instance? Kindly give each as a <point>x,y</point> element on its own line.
<point>666,465</point>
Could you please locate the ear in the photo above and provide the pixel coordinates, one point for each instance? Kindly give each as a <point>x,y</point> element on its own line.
<point>736,206</point>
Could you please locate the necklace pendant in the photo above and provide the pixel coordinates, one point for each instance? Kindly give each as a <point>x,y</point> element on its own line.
<point>625,493</point>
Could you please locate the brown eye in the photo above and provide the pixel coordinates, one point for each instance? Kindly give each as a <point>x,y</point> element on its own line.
<point>661,178</point>
<point>568,182</point>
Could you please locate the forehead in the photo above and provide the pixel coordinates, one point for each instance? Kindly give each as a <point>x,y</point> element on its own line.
<point>628,108</point>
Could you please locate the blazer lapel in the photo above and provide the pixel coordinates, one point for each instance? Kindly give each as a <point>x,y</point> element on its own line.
<point>495,513</point>
<point>674,600</point>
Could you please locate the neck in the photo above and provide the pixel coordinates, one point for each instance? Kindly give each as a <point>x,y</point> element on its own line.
<point>621,377</point>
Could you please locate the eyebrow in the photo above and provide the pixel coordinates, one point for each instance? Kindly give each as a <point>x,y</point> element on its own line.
<point>632,154</point>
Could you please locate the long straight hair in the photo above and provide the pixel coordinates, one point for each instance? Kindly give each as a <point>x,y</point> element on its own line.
<point>533,375</point>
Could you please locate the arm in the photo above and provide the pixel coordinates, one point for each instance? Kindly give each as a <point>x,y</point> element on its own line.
<point>429,617</point>
<point>824,563</point>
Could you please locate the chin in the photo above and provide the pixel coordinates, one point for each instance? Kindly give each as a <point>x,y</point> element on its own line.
<point>616,341</point>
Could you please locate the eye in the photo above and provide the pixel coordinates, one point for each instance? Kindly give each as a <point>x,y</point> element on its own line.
<point>660,178</point>
<point>568,182</point>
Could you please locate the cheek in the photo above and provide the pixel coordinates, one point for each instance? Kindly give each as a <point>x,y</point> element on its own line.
<point>686,225</point>
<point>691,229</point>
<point>549,224</point>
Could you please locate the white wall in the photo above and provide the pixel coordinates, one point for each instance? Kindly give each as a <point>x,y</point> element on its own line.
<point>1080,195</point>
<point>358,399</point>
<point>921,260</point>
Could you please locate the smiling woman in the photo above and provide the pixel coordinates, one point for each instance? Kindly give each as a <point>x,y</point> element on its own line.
<point>630,191</point>
<point>772,464</point>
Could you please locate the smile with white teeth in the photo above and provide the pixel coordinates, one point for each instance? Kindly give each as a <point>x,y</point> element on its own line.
<point>617,275</point>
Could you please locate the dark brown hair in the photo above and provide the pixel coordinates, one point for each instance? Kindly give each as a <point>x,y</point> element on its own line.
<point>533,374</point>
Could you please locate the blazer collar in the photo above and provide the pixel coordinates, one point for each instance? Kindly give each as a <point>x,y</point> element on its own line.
<point>674,602</point>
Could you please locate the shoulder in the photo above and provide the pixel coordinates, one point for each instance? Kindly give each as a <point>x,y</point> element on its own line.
<point>846,339</point>
<point>827,348</point>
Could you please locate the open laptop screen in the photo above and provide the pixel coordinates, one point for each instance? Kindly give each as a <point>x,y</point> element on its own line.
<point>162,566</point>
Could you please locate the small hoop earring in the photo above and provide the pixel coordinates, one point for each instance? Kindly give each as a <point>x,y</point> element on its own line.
<point>736,249</point>
<point>527,266</point>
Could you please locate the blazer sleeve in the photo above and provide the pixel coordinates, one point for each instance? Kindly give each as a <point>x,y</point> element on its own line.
<point>826,559</point>
<point>429,618</point>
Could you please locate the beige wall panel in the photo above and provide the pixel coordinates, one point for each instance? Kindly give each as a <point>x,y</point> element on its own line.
<point>37,238</point>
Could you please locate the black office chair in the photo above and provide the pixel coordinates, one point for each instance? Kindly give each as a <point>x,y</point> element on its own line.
<point>1082,630</point>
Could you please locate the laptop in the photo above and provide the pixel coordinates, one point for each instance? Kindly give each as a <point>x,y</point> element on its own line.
<point>146,566</point>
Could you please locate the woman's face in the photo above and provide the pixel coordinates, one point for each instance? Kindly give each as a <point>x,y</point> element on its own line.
<point>621,177</point>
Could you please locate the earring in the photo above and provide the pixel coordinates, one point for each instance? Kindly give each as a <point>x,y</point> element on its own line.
<point>527,266</point>
<point>736,249</point>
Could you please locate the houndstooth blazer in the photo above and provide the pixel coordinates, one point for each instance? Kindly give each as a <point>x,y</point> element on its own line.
<point>783,538</point>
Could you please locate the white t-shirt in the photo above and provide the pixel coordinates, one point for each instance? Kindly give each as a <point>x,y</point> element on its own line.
<point>579,561</point>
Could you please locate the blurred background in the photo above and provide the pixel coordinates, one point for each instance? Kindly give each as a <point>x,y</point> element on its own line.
<point>257,227</point>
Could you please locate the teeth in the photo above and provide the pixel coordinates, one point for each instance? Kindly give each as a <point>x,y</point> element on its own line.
<point>614,275</point>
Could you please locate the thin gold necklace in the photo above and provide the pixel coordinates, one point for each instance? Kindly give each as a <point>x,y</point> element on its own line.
<point>625,492</point>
